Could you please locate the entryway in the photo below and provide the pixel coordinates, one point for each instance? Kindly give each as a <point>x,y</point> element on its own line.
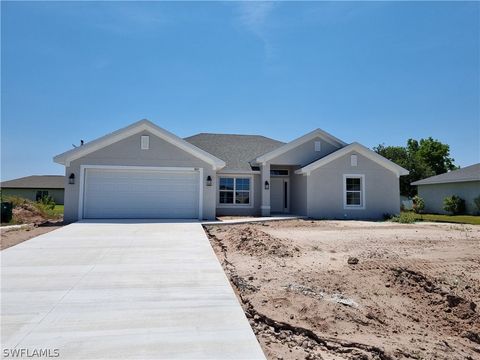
<point>280,195</point>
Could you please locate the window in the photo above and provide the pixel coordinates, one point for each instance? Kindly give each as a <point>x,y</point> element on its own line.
<point>234,191</point>
<point>145,142</point>
<point>318,146</point>
<point>41,194</point>
<point>279,172</point>
<point>353,160</point>
<point>354,191</point>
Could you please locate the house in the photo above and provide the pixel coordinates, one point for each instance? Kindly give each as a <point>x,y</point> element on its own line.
<point>144,171</point>
<point>464,183</point>
<point>35,187</point>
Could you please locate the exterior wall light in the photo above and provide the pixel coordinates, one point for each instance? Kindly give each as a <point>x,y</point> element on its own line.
<point>267,185</point>
<point>71,179</point>
<point>209,180</point>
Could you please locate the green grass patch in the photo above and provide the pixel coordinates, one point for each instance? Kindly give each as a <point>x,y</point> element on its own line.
<point>461,219</point>
<point>58,210</point>
<point>405,217</point>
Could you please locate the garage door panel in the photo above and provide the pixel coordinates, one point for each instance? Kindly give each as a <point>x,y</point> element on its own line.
<point>112,193</point>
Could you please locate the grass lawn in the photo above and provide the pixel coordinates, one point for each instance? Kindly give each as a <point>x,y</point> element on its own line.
<point>58,210</point>
<point>462,219</point>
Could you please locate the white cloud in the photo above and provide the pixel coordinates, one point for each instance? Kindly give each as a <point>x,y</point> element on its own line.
<point>254,14</point>
<point>254,17</point>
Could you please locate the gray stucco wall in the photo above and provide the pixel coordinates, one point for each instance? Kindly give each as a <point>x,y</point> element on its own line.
<point>239,210</point>
<point>325,190</point>
<point>127,152</point>
<point>298,198</point>
<point>435,193</point>
<point>305,153</point>
<point>31,194</point>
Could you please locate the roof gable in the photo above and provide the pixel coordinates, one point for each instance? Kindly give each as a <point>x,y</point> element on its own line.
<point>318,133</point>
<point>370,154</point>
<point>142,125</point>
<point>466,174</point>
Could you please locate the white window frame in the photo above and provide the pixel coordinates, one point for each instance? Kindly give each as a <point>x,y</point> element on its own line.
<point>362,192</point>
<point>318,146</point>
<point>145,142</point>
<point>251,191</point>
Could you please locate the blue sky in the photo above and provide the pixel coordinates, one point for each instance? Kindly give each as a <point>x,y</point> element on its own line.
<point>376,72</point>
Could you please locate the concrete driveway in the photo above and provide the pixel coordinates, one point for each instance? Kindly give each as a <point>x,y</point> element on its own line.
<point>136,290</point>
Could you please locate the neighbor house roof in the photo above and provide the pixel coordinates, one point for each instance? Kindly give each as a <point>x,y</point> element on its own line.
<point>89,147</point>
<point>358,148</point>
<point>238,151</point>
<point>36,182</point>
<point>469,173</point>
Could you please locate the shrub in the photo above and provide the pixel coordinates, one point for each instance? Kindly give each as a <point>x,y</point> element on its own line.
<point>15,200</point>
<point>454,205</point>
<point>47,202</point>
<point>477,203</point>
<point>404,218</point>
<point>387,216</point>
<point>418,204</point>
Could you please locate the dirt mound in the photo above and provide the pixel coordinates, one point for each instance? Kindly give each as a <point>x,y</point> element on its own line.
<point>414,283</point>
<point>414,292</point>
<point>27,213</point>
<point>250,240</point>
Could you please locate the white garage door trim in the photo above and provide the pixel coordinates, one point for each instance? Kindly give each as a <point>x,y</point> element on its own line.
<point>83,169</point>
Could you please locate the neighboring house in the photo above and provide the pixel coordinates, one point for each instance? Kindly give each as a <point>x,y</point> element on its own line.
<point>464,183</point>
<point>144,171</point>
<point>35,187</point>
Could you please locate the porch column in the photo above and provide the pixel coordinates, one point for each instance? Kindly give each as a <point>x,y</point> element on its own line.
<point>265,168</point>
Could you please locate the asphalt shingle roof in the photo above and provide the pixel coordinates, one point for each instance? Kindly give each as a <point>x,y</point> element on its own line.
<point>469,173</point>
<point>236,150</point>
<point>36,182</point>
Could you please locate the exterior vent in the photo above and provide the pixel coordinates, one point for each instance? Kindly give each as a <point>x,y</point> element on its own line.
<point>145,142</point>
<point>318,146</point>
<point>353,160</point>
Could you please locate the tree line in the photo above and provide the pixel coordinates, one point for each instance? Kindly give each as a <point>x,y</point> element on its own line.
<point>424,158</point>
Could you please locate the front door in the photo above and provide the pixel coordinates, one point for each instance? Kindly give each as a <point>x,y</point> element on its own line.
<point>279,195</point>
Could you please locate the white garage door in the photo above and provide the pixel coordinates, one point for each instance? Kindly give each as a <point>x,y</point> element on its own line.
<point>140,194</point>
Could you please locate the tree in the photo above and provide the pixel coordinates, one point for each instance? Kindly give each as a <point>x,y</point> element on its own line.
<point>433,154</point>
<point>422,159</point>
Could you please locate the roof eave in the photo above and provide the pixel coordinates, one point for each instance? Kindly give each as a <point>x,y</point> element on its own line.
<point>420,182</point>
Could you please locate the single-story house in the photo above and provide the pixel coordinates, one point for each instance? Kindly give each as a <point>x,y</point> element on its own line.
<point>35,187</point>
<point>144,171</point>
<point>464,183</point>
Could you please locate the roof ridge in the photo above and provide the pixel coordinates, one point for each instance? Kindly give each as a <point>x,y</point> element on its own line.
<point>207,133</point>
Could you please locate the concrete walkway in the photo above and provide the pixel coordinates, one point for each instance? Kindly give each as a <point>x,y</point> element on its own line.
<point>122,290</point>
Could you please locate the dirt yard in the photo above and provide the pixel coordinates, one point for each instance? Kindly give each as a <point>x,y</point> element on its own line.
<point>13,237</point>
<point>356,290</point>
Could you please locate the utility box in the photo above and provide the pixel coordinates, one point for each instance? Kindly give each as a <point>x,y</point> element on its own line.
<point>6,212</point>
